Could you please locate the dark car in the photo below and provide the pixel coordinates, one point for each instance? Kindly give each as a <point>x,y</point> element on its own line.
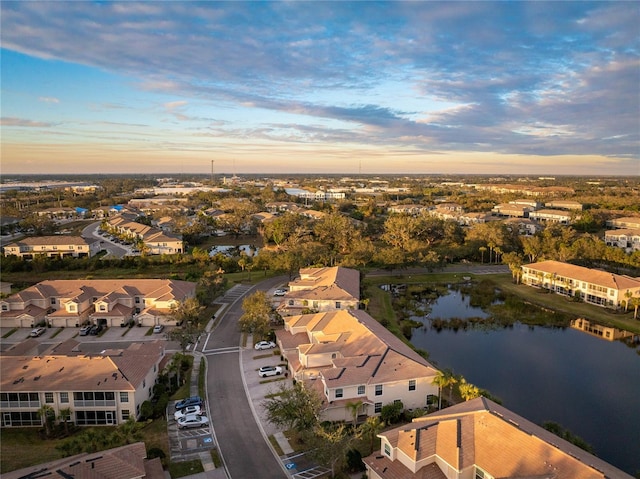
<point>95,329</point>
<point>192,401</point>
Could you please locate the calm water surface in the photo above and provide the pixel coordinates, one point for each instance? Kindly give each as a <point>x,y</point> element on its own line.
<point>588,385</point>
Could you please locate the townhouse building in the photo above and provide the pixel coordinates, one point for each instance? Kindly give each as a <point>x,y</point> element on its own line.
<point>155,240</point>
<point>627,222</point>
<point>564,205</point>
<point>62,246</point>
<point>105,389</point>
<point>72,303</point>
<point>551,216</point>
<point>480,439</point>
<point>627,239</point>
<point>512,210</point>
<point>322,289</point>
<point>347,357</point>
<point>593,286</point>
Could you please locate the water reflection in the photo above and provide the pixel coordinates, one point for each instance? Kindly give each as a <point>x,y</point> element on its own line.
<point>604,332</point>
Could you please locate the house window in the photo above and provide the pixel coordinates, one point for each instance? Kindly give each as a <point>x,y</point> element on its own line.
<point>291,302</point>
<point>378,389</point>
<point>137,300</point>
<point>339,393</point>
<point>377,407</point>
<point>412,385</point>
<point>48,398</point>
<point>53,300</point>
<point>315,305</point>
<point>480,474</point>
<point>103,307</point>
<point>387,449</point>
<point>125,414</point>
<point>144,383</point>
<point>5,307</point>
<point>64,397</point>
<point>337,304</point>
<point>361,390</point>
<point>124,396</point>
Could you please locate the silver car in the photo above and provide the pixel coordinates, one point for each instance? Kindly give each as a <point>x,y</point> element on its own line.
<point>193,420</point>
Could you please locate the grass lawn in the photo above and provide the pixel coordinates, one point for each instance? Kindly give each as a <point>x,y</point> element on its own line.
<point>186,468</point>
<point>23,447</point>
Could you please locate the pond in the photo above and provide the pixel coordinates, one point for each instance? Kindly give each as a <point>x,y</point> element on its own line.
<point>233,250</point>
<point>587,384</point>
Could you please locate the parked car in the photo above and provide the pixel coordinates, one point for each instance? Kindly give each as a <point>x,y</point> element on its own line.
<point>187,411</point>
<point>84,330</point>
<point>280,292</point>
<point>265,345</point>
<point>192,401</point>
<point>37,332</point>
<point>193,420</point>
<point>158,328</point>
<point>95,329</point>
<point>265,371</point>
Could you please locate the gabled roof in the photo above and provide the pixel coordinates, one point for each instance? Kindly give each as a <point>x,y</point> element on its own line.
<point>335,283</point>
<point>482,433</point>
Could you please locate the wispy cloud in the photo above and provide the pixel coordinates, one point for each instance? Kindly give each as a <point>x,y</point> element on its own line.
<point>48,99</point>
<point>9,121</point>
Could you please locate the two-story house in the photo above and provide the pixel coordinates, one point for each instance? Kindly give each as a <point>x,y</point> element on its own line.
<point>348,357</point>
<point>105,389</point>
<point>322,289</point>
<point>627,239</point>
<point>71,303</point>
<point>480,439</point>
<point>53,246</point>
<point>593,286</point>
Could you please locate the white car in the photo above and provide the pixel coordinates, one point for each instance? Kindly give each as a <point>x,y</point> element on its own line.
<point>193,420</point>
<point>158,328</point>
<point>280,292</point>
<point>265,371</point>
<point>37,332</point>
<point>188,411</point>
<point>265,345</point>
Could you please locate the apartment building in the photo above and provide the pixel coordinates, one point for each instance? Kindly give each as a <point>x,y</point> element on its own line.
<point>53,246</point>
<point>627,239</point>
<point>562,217</point>
<point>105,389</point>
<point>593,286</point>
<point>71,303</point>
<point>348,357</point>
<point>155,240</point>
<point>322,289</point>
<point>480,439</point>
<point>627,222</point>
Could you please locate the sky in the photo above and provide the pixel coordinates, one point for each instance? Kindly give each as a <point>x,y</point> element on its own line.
<point>540,87</point>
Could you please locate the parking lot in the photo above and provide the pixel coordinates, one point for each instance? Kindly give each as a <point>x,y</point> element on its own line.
<point>184,443</point>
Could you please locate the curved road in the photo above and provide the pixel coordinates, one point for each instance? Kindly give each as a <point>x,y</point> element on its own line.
<point>242,445</point>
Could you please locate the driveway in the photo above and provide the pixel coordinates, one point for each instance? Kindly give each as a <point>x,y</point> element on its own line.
<point>242,441</point>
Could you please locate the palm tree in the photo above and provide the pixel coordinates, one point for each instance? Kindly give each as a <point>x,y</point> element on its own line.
<point>47,414</point>
<point>467,390</point>
<point>444,379</point>
<point>482,250</point>
<point>354,407</point>
<point>370,429</point>
<point>64,415</point>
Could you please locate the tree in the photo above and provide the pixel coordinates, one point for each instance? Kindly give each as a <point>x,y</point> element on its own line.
<point>354,408</point>
<point>294,408</point>
<point>48,415</point>
<point>443,380</point>
<point>482,250</point>
<point>256,317</point>
<point>370,429</point>
<point>64,415</point>
<point>514,260</point>
<point>467,390</point>
<point>331,443</point>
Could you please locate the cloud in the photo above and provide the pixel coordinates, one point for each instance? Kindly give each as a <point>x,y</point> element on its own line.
<point>9,121</point>
<point>48,99</point>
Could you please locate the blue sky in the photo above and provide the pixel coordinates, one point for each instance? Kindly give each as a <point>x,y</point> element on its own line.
<point>321,87</point>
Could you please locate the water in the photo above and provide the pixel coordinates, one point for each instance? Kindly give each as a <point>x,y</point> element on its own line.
<point>588,385</point>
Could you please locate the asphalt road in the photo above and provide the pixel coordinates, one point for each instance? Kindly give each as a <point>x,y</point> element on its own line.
<point>113,249</point>
<point>243,447</point>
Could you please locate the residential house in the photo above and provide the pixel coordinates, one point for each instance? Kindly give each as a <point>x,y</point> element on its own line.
<point>53,246</point>
<point>627,239</point>
<point>155,240</point>
<point>480,439</point>
<point>124,462</point>
<point>105,389</point>
<point>512,210</point>
<point>109,302</point>
<point>322,289</point>
<point>593,286</point>
<point>408,209</point>
<point>523,226</point>
<point>348,357</point>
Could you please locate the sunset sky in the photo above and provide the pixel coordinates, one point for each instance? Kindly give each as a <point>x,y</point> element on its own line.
<point>320,87</point>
